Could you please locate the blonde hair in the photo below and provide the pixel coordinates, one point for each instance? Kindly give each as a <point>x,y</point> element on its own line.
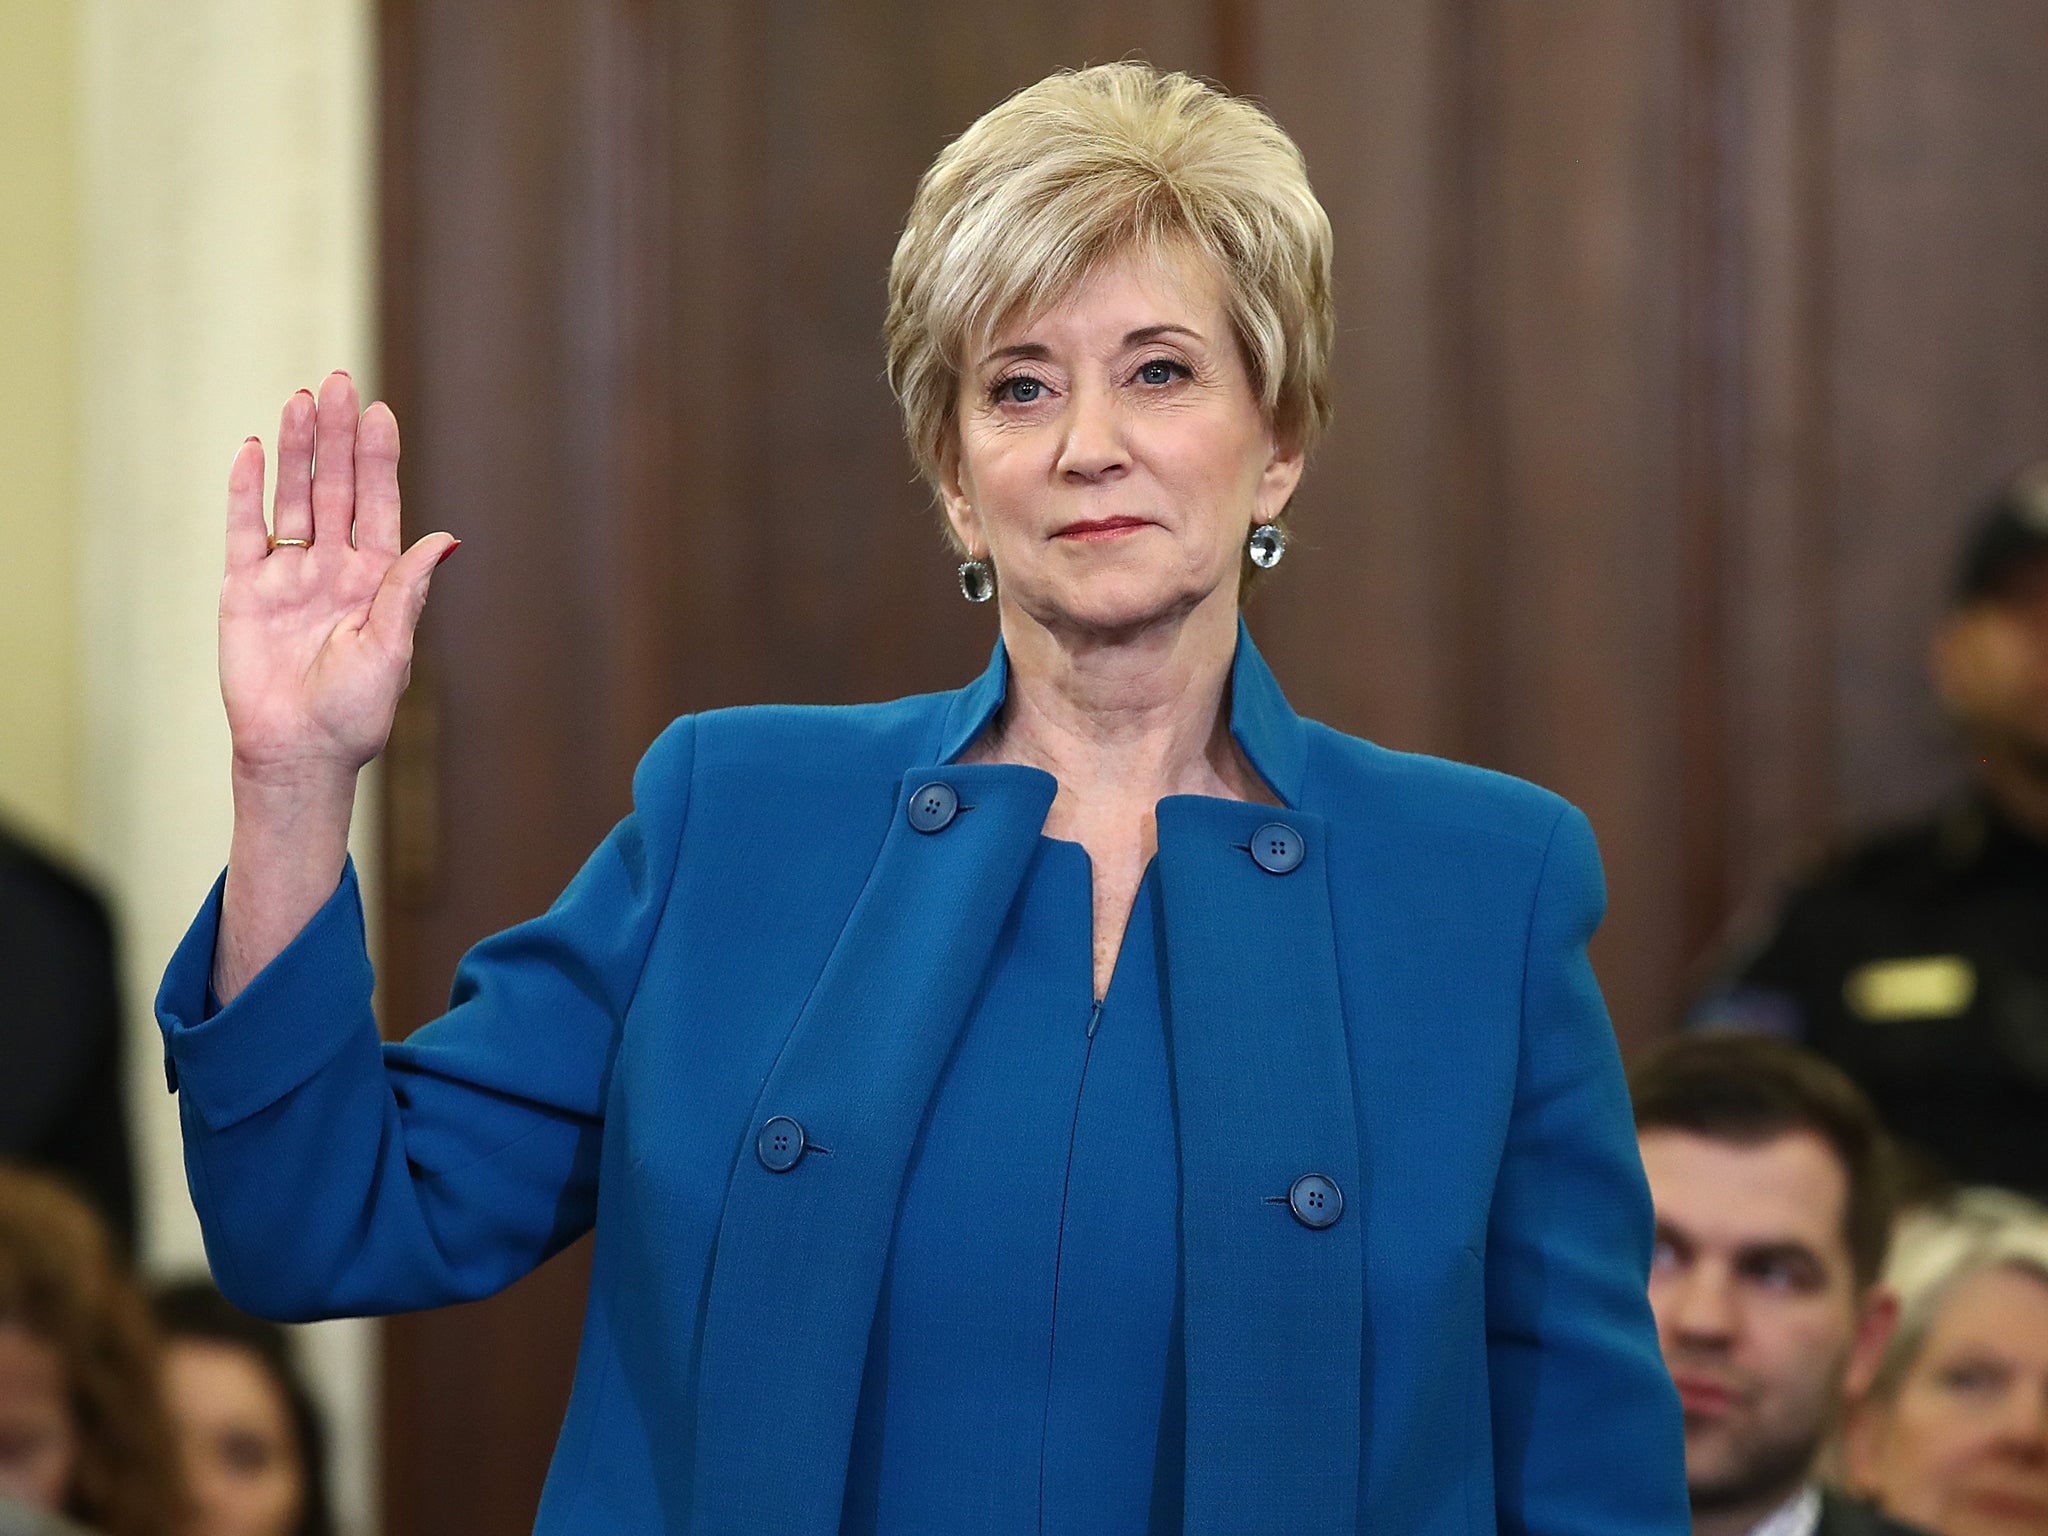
<point>1082,167</point>
<point>1935,1250</point>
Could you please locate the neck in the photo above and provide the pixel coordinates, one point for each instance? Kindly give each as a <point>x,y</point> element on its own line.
<point>1736,1519</point>
<point>1132,716</point>
<point>2017,782</point>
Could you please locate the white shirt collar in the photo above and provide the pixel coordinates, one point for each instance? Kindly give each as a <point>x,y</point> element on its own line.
<point>1797,1516</point>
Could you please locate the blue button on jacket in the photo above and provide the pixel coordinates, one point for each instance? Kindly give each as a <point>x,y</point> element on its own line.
<point>1408,1011</point>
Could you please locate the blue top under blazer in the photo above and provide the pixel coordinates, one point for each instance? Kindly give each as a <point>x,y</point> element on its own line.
<point>1408,1011</point>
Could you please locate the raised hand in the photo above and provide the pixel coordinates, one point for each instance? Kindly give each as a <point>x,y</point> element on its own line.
<point>316,624</point>
<point>316,628</point>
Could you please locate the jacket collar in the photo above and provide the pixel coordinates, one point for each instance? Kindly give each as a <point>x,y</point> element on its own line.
<point>1263,722</point>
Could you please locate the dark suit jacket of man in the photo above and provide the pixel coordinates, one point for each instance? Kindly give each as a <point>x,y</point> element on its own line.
<point>60,1032</point>
<point>1844,1516</point>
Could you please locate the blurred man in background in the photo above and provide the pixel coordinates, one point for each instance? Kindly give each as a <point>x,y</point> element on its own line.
<point>1773,1201</point>
<point>60,1032</point>
<point>1918,960</point>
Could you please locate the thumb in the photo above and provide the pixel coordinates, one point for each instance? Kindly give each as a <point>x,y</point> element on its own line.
<point>402,595</point>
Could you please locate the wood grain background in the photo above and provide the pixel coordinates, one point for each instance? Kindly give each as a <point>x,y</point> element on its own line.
<point>1677,341</point>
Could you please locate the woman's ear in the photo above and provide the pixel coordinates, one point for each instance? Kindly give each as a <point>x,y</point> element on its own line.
<point>1279,478</point>
<point>959,504</point>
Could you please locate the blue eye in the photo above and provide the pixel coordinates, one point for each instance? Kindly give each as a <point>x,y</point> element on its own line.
<point>1159,371</point>
<point>1977,1377</point>
<point>1020,389</point>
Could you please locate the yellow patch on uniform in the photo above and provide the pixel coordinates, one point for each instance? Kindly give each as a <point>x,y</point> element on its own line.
<point>1925,987</point>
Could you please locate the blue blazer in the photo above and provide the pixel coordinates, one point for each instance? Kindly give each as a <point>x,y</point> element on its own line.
<point>1409,1011</point>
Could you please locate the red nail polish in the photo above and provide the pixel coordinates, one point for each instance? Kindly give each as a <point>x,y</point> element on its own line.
<point>448,551</point>
<point>345,374</point>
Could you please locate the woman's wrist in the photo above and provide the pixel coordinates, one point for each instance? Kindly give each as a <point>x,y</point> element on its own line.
<point>289,849</point>
<point>270,784</point>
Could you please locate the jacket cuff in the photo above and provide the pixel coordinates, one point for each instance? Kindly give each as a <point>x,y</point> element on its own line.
<point>292,1019</point>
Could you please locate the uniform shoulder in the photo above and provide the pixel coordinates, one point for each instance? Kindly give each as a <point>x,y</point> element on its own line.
<point>1898,855</point>
<point>1353,779</point>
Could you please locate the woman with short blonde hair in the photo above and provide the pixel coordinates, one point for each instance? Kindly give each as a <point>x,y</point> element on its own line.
<point>1084,167</point>
<point>1953,1433</point>
<point>1093,1100</point>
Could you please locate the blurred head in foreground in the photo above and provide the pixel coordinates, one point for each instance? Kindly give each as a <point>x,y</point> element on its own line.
<point>83,1430</point>
<point>1773,1203</point>
<point>255,1455</point>
<point>1953,1433</point>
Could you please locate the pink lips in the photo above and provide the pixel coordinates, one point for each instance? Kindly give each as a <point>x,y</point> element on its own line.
<point>2002,1505</point>
<point>1702,1395</point>
<point>1100,528</point>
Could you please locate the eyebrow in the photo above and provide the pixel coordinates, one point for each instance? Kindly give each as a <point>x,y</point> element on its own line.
<point>1761,1251</point>
<point>1788,1249</point>
<point>1038,351</point>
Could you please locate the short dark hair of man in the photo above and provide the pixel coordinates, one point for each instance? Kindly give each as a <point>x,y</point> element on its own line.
<point>1751,1089</point>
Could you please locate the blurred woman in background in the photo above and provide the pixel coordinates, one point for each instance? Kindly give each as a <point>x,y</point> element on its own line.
<point>1953,1434</point>
<point>83,1431</point>
<point>255,1453</point>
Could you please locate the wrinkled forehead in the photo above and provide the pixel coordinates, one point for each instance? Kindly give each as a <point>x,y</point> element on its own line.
<point>1167,272</point>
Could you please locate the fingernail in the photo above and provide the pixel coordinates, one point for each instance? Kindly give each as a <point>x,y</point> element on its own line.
<point>306,392</point>
<point>449,551</point>
<point>251,438</point>
<point>344,373</point>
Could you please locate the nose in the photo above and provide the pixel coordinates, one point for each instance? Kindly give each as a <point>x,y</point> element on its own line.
<point>1701,1305</point>
<point>2023,1424</point>
<point>1093,447</point>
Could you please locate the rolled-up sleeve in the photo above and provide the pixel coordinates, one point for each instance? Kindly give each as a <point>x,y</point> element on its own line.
<point>1587,1433</point>
<point>335,1174</point>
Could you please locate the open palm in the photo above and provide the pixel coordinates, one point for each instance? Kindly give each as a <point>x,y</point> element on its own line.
<point>317,614</point>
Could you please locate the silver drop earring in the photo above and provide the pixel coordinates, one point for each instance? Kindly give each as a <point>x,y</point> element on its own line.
<point>977,580</point>
<point>1266,545</point>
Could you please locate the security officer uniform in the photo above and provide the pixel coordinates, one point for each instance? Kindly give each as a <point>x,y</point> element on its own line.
<point>1918,963</point>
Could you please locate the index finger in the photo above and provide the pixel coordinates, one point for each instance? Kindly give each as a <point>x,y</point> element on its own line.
<point>248,538</point>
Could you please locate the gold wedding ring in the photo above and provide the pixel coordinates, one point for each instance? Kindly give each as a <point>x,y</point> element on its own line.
<point>277,543</point>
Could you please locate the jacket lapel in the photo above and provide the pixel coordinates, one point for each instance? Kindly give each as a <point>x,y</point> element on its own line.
<point>1273,1308</point>
<point>798,1267</point>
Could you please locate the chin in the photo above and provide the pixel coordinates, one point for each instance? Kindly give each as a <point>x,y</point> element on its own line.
<point>1118,603</point>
